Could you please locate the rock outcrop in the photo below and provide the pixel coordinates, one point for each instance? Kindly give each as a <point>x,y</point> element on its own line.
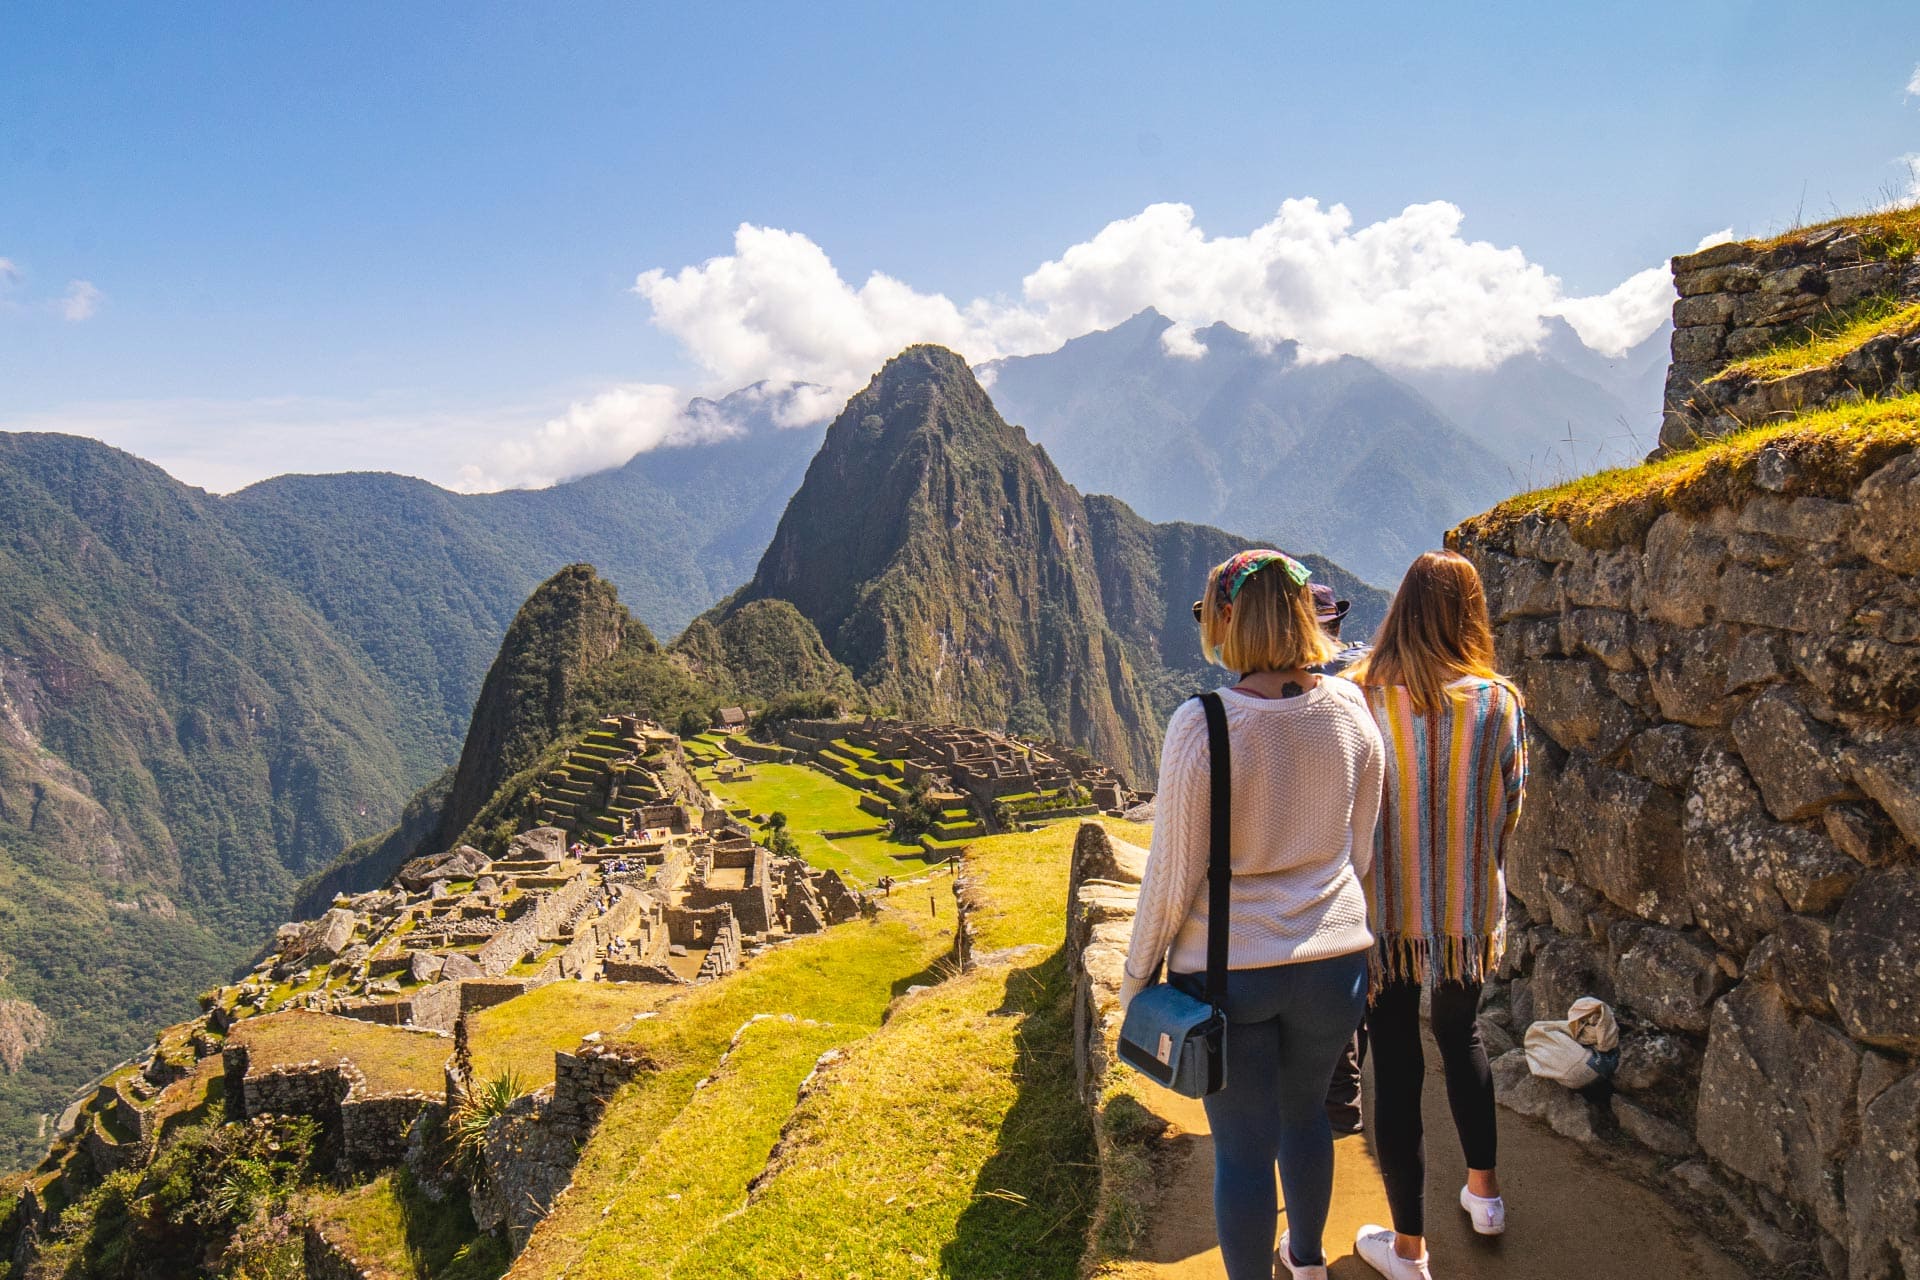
<point>1741,300</point>
<point>1721,819</point>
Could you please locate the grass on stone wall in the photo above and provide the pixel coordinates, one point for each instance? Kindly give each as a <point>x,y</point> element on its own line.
<point>1832,450</point>
<point>1828,340</point>
<point>522,1034</point>
<point>392,1058</point>
<point>1891,234</point>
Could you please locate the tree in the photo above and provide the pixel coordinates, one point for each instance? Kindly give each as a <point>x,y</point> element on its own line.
<point>780,842</point>
<point>777,820</point>
<point>694,722</point>
<point>919,812</point>
<point>1028,719</point>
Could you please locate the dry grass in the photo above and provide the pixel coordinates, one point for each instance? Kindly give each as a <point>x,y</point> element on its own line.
<point>1828,341</point>
<point>392,1058</point>
<point>1890,234</point>
<point>1832,449</point>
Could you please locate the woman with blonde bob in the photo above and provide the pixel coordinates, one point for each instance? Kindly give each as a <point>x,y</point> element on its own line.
<point>1306,767</point>
<point>1436,892</point>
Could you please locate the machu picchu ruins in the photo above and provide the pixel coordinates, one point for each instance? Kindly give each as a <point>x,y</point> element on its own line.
<point>631,870</point>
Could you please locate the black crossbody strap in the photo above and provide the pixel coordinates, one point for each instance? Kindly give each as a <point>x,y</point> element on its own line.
<point>1219,849</point>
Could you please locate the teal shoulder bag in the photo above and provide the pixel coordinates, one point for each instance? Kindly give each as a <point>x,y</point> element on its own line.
<point>1167,1035</point>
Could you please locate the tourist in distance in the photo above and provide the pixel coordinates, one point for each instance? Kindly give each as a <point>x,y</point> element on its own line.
<point>1306,767</point>
<point>1436,891</point>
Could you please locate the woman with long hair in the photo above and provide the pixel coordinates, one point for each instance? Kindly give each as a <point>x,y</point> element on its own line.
<point>1305,764</point>
<point>1436,891</point>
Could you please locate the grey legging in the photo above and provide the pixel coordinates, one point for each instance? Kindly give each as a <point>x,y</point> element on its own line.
<point>1285,1026</point>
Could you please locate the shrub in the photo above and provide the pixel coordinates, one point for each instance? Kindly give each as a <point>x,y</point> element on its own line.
<point>476,1110</point>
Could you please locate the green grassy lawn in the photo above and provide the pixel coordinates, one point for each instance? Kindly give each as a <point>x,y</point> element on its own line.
<point>950,1142</point>
<point>842,980</point>
<point>524,1033</point>
<point>389,1223</point>
<point>813,803</point>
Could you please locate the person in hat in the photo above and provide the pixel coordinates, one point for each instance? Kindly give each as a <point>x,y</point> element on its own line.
<point>1332,612</point>
<point>1343,1091</point>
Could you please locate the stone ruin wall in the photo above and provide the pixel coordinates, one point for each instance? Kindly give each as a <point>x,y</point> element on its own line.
<point>1738,300</point>
<point>1719,839</point>
<point>365,1131</point>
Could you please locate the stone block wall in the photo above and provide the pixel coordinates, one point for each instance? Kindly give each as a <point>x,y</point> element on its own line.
<point>374,1130</point>
<point>1738,300</point>
<point>1103,892</point>
<point>1719,837</point>
<point>585,1080</point>
<point>363,1131</point>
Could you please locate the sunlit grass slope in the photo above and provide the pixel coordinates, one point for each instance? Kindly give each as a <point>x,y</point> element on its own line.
<point>813,803</point>
<point>946,1142</point>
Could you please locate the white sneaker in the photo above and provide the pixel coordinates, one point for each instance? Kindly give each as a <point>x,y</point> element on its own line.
<point>1375,1247</point>
<point>1489,1216</point>
<point>1283,1265</point>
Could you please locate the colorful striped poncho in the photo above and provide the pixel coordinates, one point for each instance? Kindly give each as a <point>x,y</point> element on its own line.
<point>1437,893</point>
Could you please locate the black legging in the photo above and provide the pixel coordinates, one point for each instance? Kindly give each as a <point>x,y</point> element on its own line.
<point>1399,1070</point>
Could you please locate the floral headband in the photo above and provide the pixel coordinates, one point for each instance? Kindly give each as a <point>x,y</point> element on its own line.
<point>1231,576</point>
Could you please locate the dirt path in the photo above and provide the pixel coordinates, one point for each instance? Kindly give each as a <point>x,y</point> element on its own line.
<point>1569,1217</point>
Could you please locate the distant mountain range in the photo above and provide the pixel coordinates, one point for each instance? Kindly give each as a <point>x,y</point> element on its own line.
<point>204,700</point>
<point>946,562</point>
<point>1337,456</point>
<point>1558,412</point>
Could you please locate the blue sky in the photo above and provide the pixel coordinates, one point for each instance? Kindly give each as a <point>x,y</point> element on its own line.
<point>243,238</point>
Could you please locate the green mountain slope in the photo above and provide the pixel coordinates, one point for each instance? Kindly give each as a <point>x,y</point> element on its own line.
<point>204,700</point>
<point>947,562</point>
<point>181,739</point>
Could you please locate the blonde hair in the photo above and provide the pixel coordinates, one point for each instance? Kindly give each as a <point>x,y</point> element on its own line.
<point>1270,626</point>
<point>1436,631</point>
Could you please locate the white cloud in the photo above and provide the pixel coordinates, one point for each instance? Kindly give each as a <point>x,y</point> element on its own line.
<point>9,273</point>
<point>1409,290</point>
<point>1615,322</point>
<point>1913,83</point>
<point>80,301</point>
<point>602,431</point>
<point>1182,342</point>
<point>1723,236</point>
<point>226,444</point>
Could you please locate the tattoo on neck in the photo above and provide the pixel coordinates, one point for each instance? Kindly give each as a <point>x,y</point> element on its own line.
<point>1291,690</point>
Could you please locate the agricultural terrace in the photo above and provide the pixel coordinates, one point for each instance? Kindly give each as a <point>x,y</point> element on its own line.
<point>522,1035</point>
<point>815,804</point>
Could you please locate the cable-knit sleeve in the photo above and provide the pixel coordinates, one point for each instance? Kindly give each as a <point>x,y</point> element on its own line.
<point>1177,859</point>
<point>1370,794</point>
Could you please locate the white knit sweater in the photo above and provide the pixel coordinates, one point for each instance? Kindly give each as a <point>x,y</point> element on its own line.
<point>1306,793</point>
